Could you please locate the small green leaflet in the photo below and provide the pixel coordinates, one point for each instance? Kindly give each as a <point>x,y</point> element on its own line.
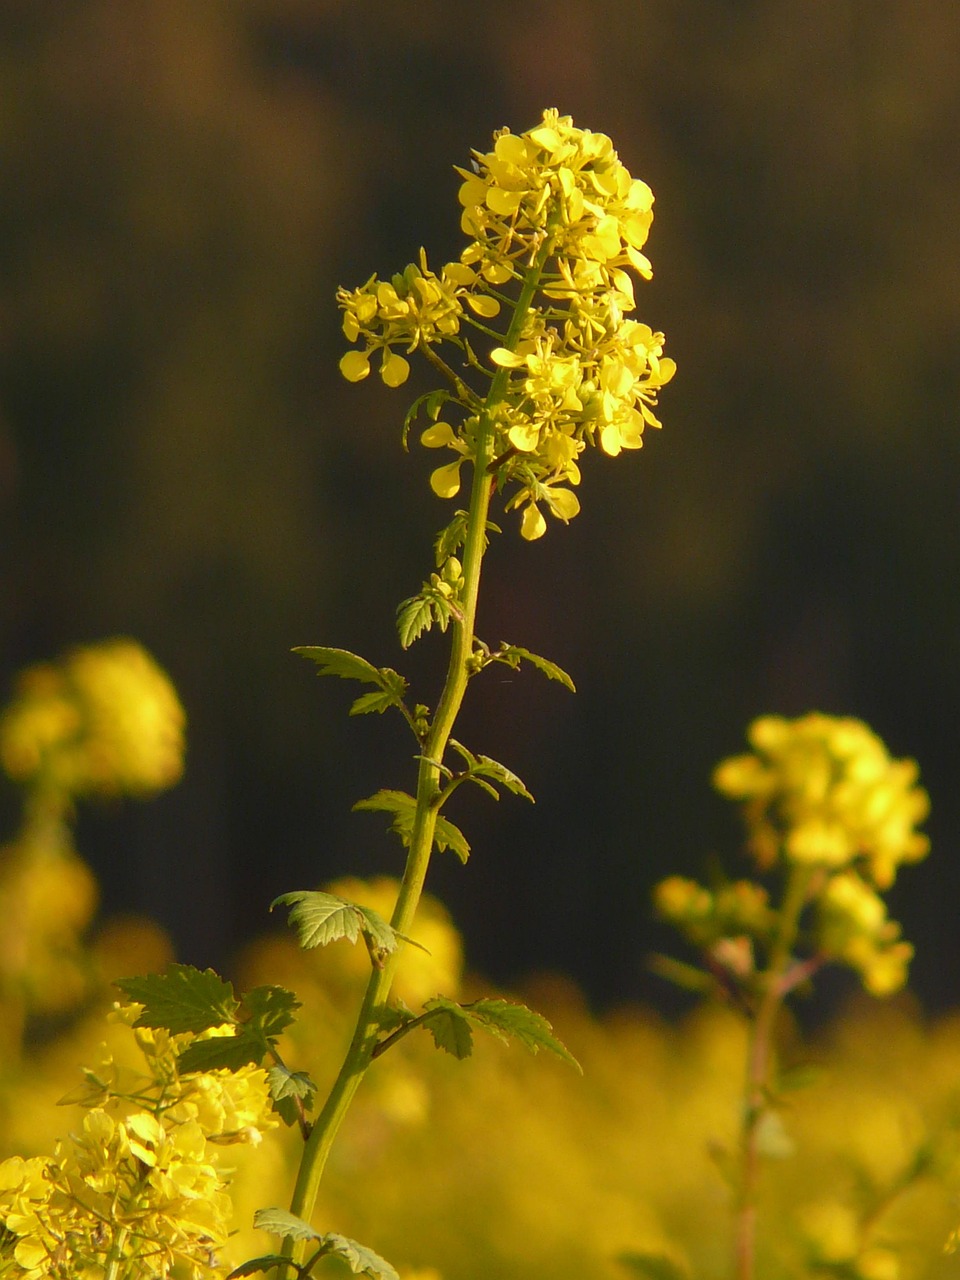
<point>185,1000</point>
<point>360,1259</point>
<point>513,654</point>
<point>279,1222</point>
<point>447,836</point>
<point>391,686</point>
<point>399,803</point>
<point>266,1262</point>
<point>420,612</point>
<point>285,1083</point>
<point>451,1026</point>
<point>451,539</point>
<point>182,999</point>
<point>404,807</point>
<point>434,402</point>
<point>322,918</point>
<point>479,768</point>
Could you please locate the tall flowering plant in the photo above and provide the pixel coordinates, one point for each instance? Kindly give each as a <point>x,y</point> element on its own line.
<point>830,819</point>
<point>532,337</point>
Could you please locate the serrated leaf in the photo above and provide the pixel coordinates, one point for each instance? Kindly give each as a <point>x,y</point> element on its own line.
<point>285,1083</point>
<point>450,540</point>
<point>339,662</point>
<point>281,1223</point>
<point>320,918</point>
<point>450,1027</point>
<point>482,767</point>
<point>360,1259</point>
<point>448,836</point>
<point>378,700</point>
<point>264,1263</point>
<point>394,1016</point>
<point>414,617</point>
<point>223,1053</point>
<point>378,933</point>
<point>270,1009</point>
<point>182,999</point>
<point>508,1020</point>
<point>512,654</point>
<point>399,803</point>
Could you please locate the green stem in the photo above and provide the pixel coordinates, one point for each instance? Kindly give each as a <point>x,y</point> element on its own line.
<point>757,1089</point>
<point>365,1037</point>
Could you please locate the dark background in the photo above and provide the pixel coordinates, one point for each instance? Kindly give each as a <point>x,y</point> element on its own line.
<point>185,184</point>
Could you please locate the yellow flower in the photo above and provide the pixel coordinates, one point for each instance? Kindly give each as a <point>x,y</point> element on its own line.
<point>823,790</point>
<point>576,371</point>
<point>105,720</point>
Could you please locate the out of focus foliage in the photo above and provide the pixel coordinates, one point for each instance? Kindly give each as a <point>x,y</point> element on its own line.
<point>522,1167</point>
<point>184,187</point>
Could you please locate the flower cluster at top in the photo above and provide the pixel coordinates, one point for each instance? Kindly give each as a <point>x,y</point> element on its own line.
<point>139,1181</point>
<point>821,793</point>
<point>555,225</point>
<point>104,720</point>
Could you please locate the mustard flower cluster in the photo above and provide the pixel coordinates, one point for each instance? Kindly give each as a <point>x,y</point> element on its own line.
<point>823,790</point>
<point>819,792</point>
<point>555,223</point>
<point>139,1183</point>
<point>105,720</point>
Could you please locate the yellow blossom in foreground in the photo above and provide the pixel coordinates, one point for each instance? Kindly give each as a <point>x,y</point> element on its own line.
<point>823,790</point>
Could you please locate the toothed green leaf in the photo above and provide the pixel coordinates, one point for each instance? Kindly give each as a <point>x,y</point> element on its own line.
<point>320,918</point>
<point>281,1223</point>
<point>449,1026</point>
<point>512,654</point>
<point>339,662</point>
<point>182,999</point>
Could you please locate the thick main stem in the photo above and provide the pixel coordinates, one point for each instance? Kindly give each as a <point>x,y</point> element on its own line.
<point>360,1052</point>
<point>757,1087</point>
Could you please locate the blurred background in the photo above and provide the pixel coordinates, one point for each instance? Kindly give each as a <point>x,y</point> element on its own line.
<point>183,188</point>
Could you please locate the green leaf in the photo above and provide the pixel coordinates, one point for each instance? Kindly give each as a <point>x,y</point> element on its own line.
<point>320,918</point>
<point>285,1083</point>
<point>451,539</point>
<point>450,1027</point>
<point>448,836</point>
<point>340,662</point>
<point>434,401</point>
<point>378,934</point>
<point>512,654</point>
<point>270,1009</point>
<point>482,767</point>
<point>402,806</point>
<point>360,1259</point>
<point>281,1223</point>
<point>223,1053</point>
<point>182,999</point>
<point>264,1263</point>
<point>414,617</point>
<point>286,1087</point>
<point>507,1020</point>
<point>378,700</point>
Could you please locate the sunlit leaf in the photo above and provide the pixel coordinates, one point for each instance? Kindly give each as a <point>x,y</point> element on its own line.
<point>182,999</point>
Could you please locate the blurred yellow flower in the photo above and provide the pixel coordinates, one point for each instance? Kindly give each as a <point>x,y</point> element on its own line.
<point>105,720</point>
<point>823,790</point>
